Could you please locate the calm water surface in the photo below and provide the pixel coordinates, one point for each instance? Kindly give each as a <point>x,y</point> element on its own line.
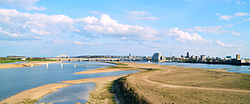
<point>15,80</point>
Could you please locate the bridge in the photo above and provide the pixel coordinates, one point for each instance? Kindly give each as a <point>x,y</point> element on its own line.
<point>86,59</point>
<point>61,64</point>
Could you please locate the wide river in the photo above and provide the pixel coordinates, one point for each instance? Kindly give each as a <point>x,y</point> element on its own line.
<point>15,80</point>
<point>230,68</point>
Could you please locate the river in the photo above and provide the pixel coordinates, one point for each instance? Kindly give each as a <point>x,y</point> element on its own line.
<point>15,80</point>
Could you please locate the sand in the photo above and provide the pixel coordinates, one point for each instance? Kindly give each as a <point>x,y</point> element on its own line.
<point>95,80</point>
<point>100,70</point>
<point>35,63</point>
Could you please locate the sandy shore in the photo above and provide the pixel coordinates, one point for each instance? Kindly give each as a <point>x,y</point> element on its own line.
<point>100,70</point>
<point>35,63</point>
<point>95,80</point>
<point>34,93</point>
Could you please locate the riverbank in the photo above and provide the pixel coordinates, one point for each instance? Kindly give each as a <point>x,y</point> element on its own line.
<point>161,84</point>
<point>28,64</point>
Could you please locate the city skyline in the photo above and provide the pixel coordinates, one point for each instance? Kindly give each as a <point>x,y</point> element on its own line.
<point>112,27</point>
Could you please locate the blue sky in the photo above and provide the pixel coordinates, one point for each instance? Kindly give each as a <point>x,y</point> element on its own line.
<point>119,27</point>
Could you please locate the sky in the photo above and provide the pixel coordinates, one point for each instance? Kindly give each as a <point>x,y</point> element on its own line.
<point>48,28</point>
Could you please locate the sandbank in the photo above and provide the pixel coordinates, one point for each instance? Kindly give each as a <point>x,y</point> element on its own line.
<point>35,63</point>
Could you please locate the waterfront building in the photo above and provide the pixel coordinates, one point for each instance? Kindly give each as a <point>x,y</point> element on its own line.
<point>203,58</point>
<point>196,58</point>
<point>157,57</point>
<point>228,57</point>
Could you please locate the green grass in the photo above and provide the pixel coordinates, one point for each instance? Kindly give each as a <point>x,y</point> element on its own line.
<point>8,61</point>
<point>28,101</point>
<point>11,61</point>
<point>122,64</point>
<point>102,94</point>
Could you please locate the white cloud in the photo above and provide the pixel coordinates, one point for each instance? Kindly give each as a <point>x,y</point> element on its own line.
<point>38,25</point>
<point>8,33</point>
<point>241,14</point>
<point>213,29</point>
<point>86,43</point>
<point>185,37</point>
<point>222,44</point>
<point>235,33</point>
<point>207,29</point>
<point>247,19</point>
<point>22,4</point>
<point>141,15</point>
<point>106,25</point>
<point>226,17</point>
<point>146,18</point>
<point>138,12</point>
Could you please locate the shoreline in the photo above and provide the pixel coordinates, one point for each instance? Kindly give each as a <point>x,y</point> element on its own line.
<point>37,93</point>
<point>28,64</point>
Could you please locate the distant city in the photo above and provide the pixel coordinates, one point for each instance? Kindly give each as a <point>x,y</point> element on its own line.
<point>156,57</point>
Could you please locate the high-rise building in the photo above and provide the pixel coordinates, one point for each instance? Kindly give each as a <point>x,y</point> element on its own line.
<point>229,57</point>
<point>156,57</point>
<point>203,57</point>
<point>196,58</point>
<point>188,55</point>
<point>237,56</point>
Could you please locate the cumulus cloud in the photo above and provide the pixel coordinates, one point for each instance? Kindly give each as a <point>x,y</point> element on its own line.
<point>185,37</point>
<point>222,44</point>
<point>226,17</point>
<point>241,14</point>
<point>38,25</point>
<point>141,15</point>
<point>213,29</point>
<point>22,4</point>
<point>106,25</point>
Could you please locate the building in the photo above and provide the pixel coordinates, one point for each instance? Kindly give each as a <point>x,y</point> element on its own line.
<point>196,58</point>
<point>156,57</point>
<point>203,58</point>
<point>188,55</point>
<point>237,56</point>
<point>237,60</point>
<point>228,57</point>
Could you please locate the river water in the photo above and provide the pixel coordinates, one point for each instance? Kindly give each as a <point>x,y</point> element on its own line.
<point>15,80</point>
<point>230,68</point>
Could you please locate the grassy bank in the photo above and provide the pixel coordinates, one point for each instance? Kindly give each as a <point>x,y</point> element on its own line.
<point>186,85</point>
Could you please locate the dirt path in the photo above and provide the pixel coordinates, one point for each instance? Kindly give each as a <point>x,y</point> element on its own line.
<point>145,78</point>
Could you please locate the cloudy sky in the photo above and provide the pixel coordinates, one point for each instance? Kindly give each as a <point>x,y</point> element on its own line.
<point>119,27</point>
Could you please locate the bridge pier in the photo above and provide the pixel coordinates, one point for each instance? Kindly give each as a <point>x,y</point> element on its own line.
<point>61,65</point>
